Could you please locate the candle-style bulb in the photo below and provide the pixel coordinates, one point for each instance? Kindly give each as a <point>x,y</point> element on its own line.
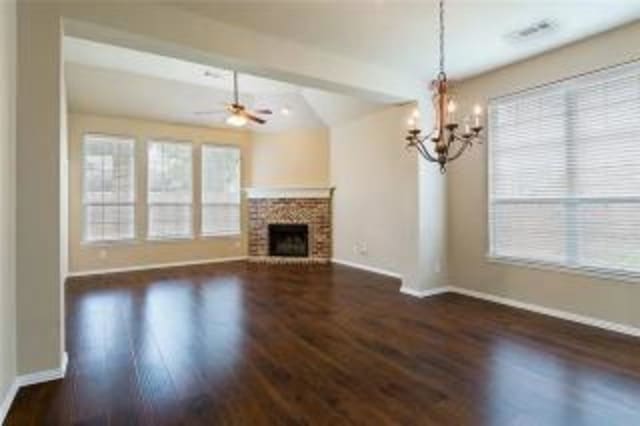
<point>477,113</point>
<point>416,113</point>
<point>451,111</point>
<point>411,122</point>
<point>467,127</point>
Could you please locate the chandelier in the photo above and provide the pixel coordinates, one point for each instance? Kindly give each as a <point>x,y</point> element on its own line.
<point>449,141</point>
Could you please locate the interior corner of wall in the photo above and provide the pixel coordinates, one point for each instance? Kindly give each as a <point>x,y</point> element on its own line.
<point>410,282</point>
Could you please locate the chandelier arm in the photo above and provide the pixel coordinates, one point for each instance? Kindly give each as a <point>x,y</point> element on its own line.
<point>422,150</point>
<point>462,143</point>
<point>460,151</point>
<point>469,140</point>
<point>425,152</point>
<point>427,137</point>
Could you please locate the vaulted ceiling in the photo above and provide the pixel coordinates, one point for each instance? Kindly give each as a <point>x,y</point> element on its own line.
<point>112,80</point>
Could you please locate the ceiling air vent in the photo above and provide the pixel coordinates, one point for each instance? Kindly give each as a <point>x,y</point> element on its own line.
<point>534,30</point>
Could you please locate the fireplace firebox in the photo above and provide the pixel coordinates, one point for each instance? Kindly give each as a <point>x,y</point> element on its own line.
<point>288,240</point>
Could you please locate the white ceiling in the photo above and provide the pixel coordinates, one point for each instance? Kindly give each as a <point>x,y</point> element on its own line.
<point>402,33</point>
<point>112,80</point>
<point>133,61</point>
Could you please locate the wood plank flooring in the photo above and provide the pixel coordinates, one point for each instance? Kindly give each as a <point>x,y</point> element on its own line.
<point>246,344</point>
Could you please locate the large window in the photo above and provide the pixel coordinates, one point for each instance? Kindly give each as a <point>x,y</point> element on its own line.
<point>108,188</point>
<point>564,173</point>
<point>220,190</point>
<point>170,190</point>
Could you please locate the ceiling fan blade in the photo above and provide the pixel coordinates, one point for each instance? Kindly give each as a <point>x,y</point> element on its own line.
<point>262,111</point>
<point>221,111</point>
<point>254,118</point>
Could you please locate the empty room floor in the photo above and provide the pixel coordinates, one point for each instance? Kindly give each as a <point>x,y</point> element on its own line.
<point>250,344</point>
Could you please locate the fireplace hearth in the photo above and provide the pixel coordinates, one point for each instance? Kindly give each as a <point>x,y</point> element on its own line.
<point>288,240</point>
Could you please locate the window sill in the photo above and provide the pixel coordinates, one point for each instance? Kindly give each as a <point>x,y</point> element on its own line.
<point>169,239</point>
<point>120,243</point>
<point>109,243</point>
<point>590,271</point>
<point>221,235</point>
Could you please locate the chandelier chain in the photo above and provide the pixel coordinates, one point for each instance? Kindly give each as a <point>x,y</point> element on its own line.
<point>441,17</point>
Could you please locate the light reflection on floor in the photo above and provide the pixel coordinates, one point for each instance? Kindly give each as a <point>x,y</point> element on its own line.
<point>554,391</point>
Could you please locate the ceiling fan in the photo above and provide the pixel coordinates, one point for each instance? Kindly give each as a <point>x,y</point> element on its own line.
<point>239,114</point>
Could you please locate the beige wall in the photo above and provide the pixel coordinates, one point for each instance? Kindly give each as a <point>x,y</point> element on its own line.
<point>376,198</point>
<point>88,257</point>
<point>64,194</point>
<point>467,197</point>
<point>294,157</point>
<point>38,287</point>
<point>389,204</point>
<point>7,197</point>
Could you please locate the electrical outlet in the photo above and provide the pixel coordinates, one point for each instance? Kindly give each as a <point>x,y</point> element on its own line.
<point>360,249</point>
<point>363,249</point>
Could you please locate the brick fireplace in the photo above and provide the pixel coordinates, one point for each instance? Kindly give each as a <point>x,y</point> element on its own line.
<point>305,210</point>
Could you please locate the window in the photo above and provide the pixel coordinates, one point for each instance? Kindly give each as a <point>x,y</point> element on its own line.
<point>220,190</point>
<point>564,173</point>
<point>170,190</point>
<point>108,188</point>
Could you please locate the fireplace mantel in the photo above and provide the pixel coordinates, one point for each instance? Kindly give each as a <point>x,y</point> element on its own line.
<point>289,192</point>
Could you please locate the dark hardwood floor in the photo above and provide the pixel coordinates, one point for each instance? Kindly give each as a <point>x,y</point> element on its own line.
<point>247,344</point>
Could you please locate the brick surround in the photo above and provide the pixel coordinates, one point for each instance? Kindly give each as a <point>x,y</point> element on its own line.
<point>315,212</point>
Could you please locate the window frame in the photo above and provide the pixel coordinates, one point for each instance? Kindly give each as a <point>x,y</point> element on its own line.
<point>84,204</point>
<point>572,267</point>
<point>148,205</point>
<point>202,204</point>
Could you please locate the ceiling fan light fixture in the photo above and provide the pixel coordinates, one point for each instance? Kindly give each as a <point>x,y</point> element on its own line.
<point>239,114</point>
<point>237,120</point>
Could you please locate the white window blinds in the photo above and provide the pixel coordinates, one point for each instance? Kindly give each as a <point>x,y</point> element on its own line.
<point>108,188</point>
<point>564,173</point>
<point>220,190</point>
<point>170,190</point>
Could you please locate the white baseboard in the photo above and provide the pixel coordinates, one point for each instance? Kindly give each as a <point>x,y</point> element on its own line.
<point>367,268</point>
<point>154,266</point>
<point>5,405</point>
<point>423,293</point>
<point>45,375</point>
<point>556,313</point>
<point>31,379</point>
